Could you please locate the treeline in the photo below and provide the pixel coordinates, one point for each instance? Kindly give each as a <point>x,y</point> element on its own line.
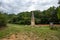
<point>41,17</point>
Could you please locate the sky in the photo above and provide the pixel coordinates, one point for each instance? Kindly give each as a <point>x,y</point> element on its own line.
<point>16,6</point>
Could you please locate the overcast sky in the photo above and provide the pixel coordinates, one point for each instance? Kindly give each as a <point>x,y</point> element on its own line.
<point>15,6</point>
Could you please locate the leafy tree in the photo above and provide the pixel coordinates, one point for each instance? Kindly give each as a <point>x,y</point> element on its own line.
<point>24,18</point>
<point>37,15</point>
<point>3,20</point>
<point>20,18</point>
<point>58,13</point>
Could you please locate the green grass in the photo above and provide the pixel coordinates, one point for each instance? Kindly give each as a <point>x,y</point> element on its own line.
<point>43,32</point>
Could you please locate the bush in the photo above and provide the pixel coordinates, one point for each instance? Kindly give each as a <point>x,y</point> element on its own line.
<point>53,28</point>
<point>3,20</point>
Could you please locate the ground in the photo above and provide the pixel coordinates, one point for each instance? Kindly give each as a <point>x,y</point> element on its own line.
<point>27,32</point>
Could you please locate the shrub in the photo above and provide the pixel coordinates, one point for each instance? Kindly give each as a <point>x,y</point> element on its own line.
<point>3,20</point>
<point>52,27</point>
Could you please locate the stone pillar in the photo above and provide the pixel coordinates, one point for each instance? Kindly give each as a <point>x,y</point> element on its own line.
<point>32,20</point>
<point>51,24</point>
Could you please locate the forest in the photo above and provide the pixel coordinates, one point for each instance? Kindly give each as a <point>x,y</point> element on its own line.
<point>24,18</point>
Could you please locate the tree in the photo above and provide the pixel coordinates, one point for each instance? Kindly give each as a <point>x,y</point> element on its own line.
<point>24,18</point>
<point>3,20</point>
<point>58,13</point>
<point>21,18</point>
<point>52,14</point>
<point>37,16</point>
<point>11,18</point>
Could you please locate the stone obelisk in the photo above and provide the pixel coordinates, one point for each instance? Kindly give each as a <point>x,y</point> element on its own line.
<point>32,19</point>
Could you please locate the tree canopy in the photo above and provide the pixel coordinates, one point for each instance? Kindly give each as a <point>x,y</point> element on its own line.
<point>41,17</point>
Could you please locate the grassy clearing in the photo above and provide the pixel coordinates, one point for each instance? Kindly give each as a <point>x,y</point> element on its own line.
<point>42,32</point>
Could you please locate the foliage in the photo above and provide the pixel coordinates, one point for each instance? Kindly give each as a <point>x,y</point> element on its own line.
<point>21,18</point>
<point>3,20</point>
<point>41,17</point>
<point>58,12</point>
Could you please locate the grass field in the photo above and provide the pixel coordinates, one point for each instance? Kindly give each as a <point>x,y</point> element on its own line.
<point>29,32</point>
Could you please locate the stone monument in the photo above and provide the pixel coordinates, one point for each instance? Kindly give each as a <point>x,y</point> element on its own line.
<point>32,19</point>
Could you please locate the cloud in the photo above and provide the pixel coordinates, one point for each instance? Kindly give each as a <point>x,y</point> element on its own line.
<point>15,6</point>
